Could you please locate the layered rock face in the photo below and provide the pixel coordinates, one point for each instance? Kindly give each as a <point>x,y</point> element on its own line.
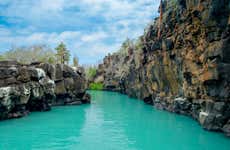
<point>181,63</point>
<point>38,86</point>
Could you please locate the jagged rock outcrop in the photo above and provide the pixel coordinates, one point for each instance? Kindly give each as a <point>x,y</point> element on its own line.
<point>38,86</point>
<point>183,69</point>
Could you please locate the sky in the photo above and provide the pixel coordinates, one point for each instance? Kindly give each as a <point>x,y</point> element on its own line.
<point>90,28</point>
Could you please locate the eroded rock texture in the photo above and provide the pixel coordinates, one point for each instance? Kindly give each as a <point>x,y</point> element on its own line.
<point>38,86</point>
<point>185,69</point>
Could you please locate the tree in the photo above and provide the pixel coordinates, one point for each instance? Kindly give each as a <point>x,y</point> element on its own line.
<point>63,54</point>
<point>29,54</point>
<point>75,61</point>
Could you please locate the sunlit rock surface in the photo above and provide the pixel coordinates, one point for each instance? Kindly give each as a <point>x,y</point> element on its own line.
<point>38,86</point>
<point>185,69</point>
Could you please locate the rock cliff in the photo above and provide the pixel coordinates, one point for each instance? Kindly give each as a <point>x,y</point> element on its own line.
<point>180,64</point>
<point>38,86</point>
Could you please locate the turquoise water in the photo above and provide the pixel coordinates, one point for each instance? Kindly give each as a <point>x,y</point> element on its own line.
<point>112,122</point>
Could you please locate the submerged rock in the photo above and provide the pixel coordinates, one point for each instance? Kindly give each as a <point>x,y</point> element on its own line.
<point>36,87</point>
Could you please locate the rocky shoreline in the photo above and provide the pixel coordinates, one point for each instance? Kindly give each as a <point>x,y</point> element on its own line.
<point>38,87</point>
<point>181,64</point>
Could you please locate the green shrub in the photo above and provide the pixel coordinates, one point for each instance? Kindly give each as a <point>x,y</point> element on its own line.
<point>96,86</point>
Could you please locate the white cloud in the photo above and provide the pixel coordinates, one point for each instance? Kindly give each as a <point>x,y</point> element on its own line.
<point>94,37</point>
<point>90,28</point>
<point>51,5</point>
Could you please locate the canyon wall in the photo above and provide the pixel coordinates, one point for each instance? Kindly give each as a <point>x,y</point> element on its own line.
<point>180,64</point>
<point>38,86</point>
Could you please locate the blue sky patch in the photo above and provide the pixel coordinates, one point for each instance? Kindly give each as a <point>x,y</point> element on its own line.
<point>90,28</point>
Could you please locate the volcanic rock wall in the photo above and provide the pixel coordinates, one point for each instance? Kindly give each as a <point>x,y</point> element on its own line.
<point>184,67</point>
<point>38,86</point>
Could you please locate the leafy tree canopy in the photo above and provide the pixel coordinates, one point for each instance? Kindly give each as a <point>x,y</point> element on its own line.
<point>63,55</point>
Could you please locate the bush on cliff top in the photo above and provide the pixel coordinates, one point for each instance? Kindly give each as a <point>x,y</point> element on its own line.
<point>91,72</point>
<point>96,86</point>
<point>37,53</point>
<point>124,47</point>
<point>26,55</point>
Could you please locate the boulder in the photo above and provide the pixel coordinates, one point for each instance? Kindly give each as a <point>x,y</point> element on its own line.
<point>24,74</point>
<point>182,106</point>
<point>6,97</point>
<point>226,129</point>
<point>49,70</point>
<point>38,86</point>
<point>86,98</point>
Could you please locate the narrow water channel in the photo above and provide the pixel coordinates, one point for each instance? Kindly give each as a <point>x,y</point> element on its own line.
<point>112,122</point>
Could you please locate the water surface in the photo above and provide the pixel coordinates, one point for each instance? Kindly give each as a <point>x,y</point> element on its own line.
<point>112,122</point>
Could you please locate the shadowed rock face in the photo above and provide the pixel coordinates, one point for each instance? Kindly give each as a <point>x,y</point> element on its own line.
<point>187,69</point>
<point>38,86</point>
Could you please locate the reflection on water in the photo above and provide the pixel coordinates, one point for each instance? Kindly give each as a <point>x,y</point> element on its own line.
<point>112,122</point>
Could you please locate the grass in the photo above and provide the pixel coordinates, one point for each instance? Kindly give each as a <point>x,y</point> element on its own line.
<point>96,86</point>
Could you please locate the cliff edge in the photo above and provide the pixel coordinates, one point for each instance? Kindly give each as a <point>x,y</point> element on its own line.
<point>38,86</point>
<point>180,64</point>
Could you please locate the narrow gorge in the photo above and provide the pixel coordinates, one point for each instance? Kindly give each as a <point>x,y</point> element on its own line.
<point>181,64</point>
<point>115,75</point>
